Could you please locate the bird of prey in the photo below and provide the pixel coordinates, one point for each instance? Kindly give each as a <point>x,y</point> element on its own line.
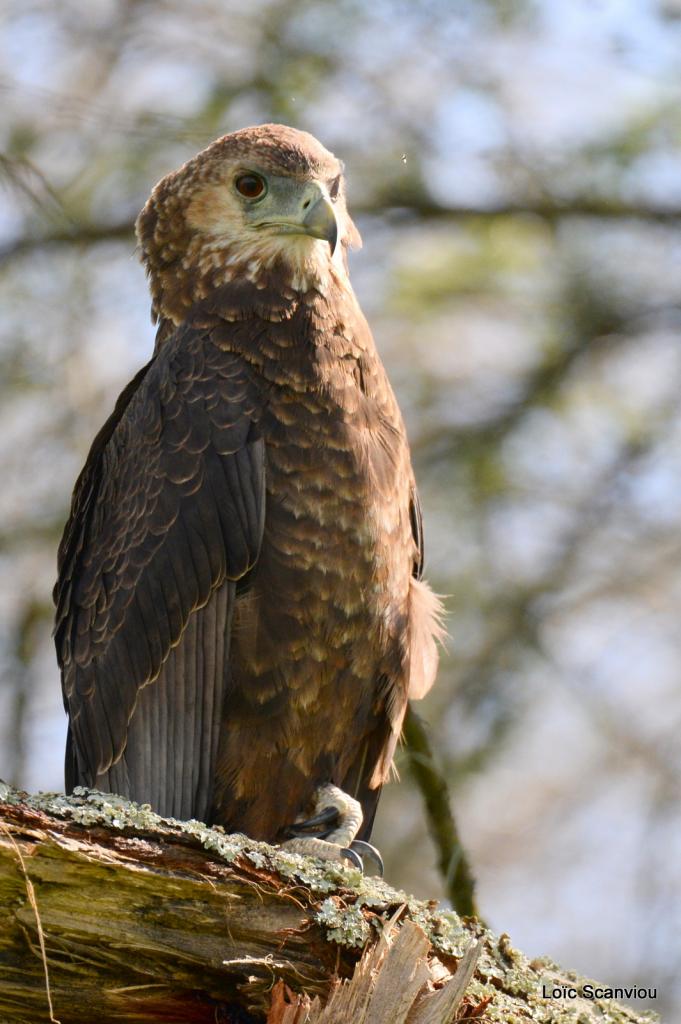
<point>241,618</point>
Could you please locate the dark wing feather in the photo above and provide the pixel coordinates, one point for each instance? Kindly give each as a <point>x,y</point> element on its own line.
<point>166,516</point>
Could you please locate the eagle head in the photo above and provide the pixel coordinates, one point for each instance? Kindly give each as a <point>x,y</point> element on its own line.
<point>263,205</point>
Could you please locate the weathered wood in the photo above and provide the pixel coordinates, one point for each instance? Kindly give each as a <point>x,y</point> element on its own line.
<point>112,914</point>
<point>393,983</point>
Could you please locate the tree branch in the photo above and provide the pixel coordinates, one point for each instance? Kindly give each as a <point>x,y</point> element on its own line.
<point>122,916</point>
<point>392,206</point>
<point>452,860</point>
<point>81,234</point>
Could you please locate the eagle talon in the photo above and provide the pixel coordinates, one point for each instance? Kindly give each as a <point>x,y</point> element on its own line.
<point>363,850</point>
<point>327,816</point>
<point>295,833</point>
<point>353,857</point>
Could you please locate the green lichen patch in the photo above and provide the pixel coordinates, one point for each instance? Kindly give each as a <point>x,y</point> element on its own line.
<point>342,924</point>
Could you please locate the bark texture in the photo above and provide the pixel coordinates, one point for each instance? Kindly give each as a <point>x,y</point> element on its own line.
<point>111,913</point>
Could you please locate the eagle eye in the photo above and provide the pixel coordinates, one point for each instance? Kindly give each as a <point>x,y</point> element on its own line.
<point>251,186</point>
<point>334,189</point>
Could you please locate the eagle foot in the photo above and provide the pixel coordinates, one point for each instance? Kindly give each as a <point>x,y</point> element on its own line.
<point>356,852</point>
<point>330,831</point>
<point>334,808</point>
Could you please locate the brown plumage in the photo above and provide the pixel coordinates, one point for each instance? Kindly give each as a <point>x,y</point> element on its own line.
<point>240,615</point>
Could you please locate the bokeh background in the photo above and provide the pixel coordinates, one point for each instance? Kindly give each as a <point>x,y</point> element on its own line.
<point>515,170</point>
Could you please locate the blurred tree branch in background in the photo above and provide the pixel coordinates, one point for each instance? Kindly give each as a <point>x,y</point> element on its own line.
<point>452,861</point>
<point>403,207</point>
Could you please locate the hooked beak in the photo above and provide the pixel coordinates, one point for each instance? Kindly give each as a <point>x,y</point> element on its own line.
<point>320,222</point>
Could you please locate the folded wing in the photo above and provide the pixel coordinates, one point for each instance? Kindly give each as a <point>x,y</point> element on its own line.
<point>167,517</point>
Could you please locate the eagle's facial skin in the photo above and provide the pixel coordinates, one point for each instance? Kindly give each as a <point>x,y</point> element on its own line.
<point>289,206</point>
<point>265,205</point>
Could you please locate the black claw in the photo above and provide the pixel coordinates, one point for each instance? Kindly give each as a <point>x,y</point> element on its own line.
<point>351,855</point>
<point>293,832</point>
<point>327,816</point>
<point>367,850</point>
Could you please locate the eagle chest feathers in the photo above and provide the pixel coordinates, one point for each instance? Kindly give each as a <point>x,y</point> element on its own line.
<point>240,616</point>
<point>320,631</point>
